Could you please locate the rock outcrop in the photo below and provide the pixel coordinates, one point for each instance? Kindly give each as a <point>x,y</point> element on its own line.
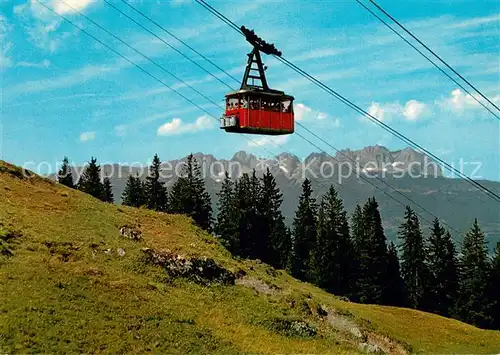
<point>201,270</point>
<point>130,233</point>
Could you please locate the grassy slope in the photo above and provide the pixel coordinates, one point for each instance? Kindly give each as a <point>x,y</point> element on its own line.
<point>57,297</point>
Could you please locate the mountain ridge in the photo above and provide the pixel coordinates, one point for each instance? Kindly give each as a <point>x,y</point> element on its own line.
<point>452,200</point>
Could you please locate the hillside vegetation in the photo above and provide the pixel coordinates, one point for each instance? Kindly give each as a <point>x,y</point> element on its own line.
<point>80,275</point>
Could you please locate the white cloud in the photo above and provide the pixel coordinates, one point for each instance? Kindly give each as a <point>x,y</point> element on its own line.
<point>476,21</point>
<point>43,64</point>
<point>61,7</point>
<point>305,113</point>
<point>376,111</point>
<point>69,79</point>
<point>316,54</point>
<point>384,112</point>
<point>176,126</point>
<point>459,100</point>
<point>411,111</point>
<point>322,116</point>
<point>87,136</point>
<point>461,104</point>
<point>274,141</point>
<point>5,28</point>
<point>458,103</point>
<point>5,60</point>
<point>74,5</point>
<point>42,25</point>
<point>301,111</point>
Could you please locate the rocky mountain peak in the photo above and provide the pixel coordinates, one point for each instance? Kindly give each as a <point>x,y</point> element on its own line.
<point>243,157</point>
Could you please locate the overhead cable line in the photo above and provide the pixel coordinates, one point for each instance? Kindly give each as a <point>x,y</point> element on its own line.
<point>407,140</point>
<point>154,62</point>
<point>390,129</point>
<point>178,39</point>
<point>365,179</point>
<point>433,53</point>
<point>160,66</point>
<point>220,16</point>
<point>139,67</point>
<point>434,64</point>
<point>350,104</point>
<point>163,41</point>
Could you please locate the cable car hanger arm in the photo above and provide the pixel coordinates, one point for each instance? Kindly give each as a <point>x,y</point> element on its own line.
<point>259,45</point>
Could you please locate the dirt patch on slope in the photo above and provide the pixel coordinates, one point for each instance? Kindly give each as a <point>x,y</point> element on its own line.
<point>369,341</point>
<point>257,285</point>
<point>386,344</point>
<point>343,323</point>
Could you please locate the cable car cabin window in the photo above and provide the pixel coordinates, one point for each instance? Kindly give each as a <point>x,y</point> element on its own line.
<point>254,103</point>
<point>286,106</point>
<point>264,104</point>
<point>270,105</point>
<point>232,103</point>
<point>275,105</point>
<point>244,102</point>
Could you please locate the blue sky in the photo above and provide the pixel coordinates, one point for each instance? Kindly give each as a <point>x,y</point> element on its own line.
<point>64,94</point>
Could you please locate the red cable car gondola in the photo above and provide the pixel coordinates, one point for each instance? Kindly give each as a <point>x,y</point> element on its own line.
<point>257,108</point>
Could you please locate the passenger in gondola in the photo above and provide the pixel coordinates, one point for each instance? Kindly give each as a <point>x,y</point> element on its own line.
<point>255,104</point>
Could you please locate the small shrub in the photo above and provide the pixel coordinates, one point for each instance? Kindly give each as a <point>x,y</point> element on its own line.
<point>8,239</point>
<point>291,328</point>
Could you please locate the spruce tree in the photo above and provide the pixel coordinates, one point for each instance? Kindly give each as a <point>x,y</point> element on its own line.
<point>442,265</point>
<point>246,215</point>
<point>156,192</point>
<point>372,257</point>
<point>107,191</point>
<point>473,306</point>
<point>134,193</point>
<point>64,176</point>
<point>304,233</point>
<point>281,243</point>
<point>275,243</point>
<point>413,267</point>
<point>190,197</point>
<point>177,198</point>
<point>333,251</point>
<point>90,181</point>
<point>323,251</point>
<point>357,227</point>
<point>395,283</point>
<point>258,232</point>
<point>494,289</point>
<point>357,237</point>
<point>226,225</point>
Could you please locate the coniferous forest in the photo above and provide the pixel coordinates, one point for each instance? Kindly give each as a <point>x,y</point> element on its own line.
<point>347,255</point>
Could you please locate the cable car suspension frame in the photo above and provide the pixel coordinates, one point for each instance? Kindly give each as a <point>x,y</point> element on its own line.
<point>256,108</point>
